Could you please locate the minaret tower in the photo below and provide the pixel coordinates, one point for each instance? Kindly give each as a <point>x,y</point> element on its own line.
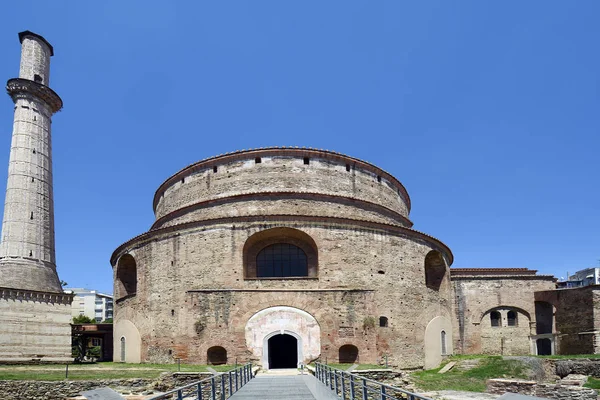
<point>27,255</point>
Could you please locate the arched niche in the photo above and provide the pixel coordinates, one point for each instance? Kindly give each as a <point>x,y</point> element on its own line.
<point>127,342</point>
<point>126,277</point>
<point>505,331</point>
<point>434,349</point>
<point>348,354</point>
<point>258,243</point>
<point>435,270</point>
<point>216,355</point>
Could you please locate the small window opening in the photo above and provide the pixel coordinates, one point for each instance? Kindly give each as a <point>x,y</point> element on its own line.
<point>31,216</point>
<point>170,351</point>
<point>381,272</point>
<point>306,160</point>
<point>37,78</point>
<point>172,313</point>
<point>34,118</point>
<point>257,160</point>
<point>348,167</point>
<point>32,179</point>
<point>378,178</point>
<point>30,253</point>
<point>215,169</point>
<point>182,180</point>
<point>443,337</point>
<point>511,318</point>
<point>495,318</point>
<point>33,151</point>
<point>383,322</point>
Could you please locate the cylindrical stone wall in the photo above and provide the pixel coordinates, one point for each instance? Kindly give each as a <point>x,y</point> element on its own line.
<point>27,250</point>
<point>35,58</point>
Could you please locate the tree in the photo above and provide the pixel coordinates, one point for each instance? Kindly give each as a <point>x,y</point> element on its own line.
<point>83,319</point>
<point>108,321</point>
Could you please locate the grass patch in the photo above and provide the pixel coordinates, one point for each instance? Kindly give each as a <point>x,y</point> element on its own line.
<point>572,356</point>
<point>98,371</point>
<point>344,367</point>
<point>592,383</point>
<point>472,380</point>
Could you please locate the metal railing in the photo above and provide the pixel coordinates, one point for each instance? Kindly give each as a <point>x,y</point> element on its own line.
<point>218,387</point>
<point>355,387</point>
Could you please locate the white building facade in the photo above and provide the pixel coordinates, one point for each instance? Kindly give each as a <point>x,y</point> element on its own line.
<point>91,303</point>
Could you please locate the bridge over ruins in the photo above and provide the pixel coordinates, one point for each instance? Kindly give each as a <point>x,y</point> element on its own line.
<point>320,383</point>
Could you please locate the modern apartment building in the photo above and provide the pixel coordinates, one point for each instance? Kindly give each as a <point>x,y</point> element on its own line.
<point>91,303</point>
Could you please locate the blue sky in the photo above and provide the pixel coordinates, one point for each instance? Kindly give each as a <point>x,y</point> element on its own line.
<point>488,112</point>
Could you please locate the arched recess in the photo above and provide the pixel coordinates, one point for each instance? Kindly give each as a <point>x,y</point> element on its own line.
<point>348,354</point>
<point>283,320</point>
<point>216,355</point>
<point>505,331</point>
<point>544,317</point>
<point>280,236</point>
<point>126,277</point>
<point>435,269</point>
<point>433,343</point>
<point>127,342</point>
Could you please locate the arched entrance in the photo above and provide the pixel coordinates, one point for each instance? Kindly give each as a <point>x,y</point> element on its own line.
<point>283,351</point>
<point>283,320</point>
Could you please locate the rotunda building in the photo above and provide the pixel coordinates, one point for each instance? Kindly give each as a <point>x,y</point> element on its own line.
<point>281,256</point>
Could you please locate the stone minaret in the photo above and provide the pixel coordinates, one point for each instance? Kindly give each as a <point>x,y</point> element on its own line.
<point>27,256</point>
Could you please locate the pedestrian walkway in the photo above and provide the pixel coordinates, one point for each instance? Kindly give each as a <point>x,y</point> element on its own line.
<point>278,386</point>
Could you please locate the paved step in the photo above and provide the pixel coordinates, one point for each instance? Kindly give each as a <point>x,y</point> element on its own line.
<point>271,387</point>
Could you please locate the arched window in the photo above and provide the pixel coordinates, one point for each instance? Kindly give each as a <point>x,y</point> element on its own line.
<point>383,322</point>
<point>511,318</point>
<point>216,355</point>
<point>348,354</point>
<point>123,349</point>
<point>435,270</point>
<point>280,253</point>
<point>281,260</point>
<point>126,277</point>
<point>443,338</point>
<point>495,318</point>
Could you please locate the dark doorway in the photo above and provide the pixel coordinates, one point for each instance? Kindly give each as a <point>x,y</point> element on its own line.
<point>283,352</point>
<point>348,354</point>
<point>544,347</point>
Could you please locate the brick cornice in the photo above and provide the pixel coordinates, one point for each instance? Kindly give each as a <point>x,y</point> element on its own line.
<point>278,290</point>
<point>290,220</point>
<point>278,196</point>
<point>278,151</point>
<point>502,276</point>
<point>35,296</point>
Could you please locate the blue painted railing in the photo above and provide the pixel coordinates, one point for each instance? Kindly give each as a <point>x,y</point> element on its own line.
<point>218,387</point>
<point>355,387</point>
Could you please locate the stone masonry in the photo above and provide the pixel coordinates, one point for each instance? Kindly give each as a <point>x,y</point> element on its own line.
<point>480,292</point>
<point>375,286</point>
<point>35,312</point>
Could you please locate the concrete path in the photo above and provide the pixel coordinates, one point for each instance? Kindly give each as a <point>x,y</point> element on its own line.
<point>293,387</point>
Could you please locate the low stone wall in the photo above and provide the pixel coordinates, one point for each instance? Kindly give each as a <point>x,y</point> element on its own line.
<point>544,390</point>
<point>59,390</point>
<point>578,366</point>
